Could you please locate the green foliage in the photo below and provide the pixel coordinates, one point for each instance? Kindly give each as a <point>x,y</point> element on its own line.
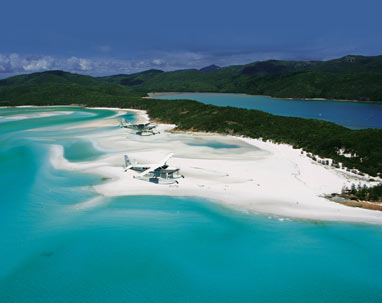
<point>350,77</point>
<point>57,87</point>
<point>365,193</point>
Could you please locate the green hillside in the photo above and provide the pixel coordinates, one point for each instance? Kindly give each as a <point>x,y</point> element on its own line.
<point>58,87</point>
<point>350,77</point>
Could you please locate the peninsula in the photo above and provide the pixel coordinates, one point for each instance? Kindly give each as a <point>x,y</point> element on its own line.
<point>243,173</point>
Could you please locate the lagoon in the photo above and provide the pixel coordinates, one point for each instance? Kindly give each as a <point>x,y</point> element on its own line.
<point>355,115</point>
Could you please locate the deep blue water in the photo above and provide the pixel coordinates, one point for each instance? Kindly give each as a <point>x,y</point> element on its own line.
<point>354,115</point>
<point>158,249</point>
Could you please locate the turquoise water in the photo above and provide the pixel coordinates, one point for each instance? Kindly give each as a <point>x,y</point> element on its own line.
<point>213,144</point>
<point>354,115</point>
<point>80,150</point>
<point>158,249</point>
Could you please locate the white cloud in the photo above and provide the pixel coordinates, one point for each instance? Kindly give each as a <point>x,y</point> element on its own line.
<point>12,64</point>
<point>38,64</point>
<point>78,64</point>
<point>157,61</point>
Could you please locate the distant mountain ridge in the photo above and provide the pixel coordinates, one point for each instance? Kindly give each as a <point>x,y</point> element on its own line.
<point>209,68</point>
<point>351,77</point>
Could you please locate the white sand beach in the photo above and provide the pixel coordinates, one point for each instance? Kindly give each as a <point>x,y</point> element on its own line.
<point>250,175</point>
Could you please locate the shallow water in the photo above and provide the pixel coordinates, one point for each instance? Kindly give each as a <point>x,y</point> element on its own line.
<point>212,144</point>
<point>77,150</point>
<point>158,249</point>
<point>354,115</point>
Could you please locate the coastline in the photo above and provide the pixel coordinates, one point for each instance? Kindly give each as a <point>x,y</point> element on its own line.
<point>151,95</point>
<point>259,177</point>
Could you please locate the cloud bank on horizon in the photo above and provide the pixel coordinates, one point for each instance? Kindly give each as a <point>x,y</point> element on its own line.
<point>14,64</point>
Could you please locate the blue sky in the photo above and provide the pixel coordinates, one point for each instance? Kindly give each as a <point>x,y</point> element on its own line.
<point>107,37</point>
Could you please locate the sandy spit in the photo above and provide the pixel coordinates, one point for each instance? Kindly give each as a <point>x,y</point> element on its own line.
<point>249,175</point>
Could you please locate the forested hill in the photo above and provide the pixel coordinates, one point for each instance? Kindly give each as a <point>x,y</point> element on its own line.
<point>58,87</point>
<point>350,77</point>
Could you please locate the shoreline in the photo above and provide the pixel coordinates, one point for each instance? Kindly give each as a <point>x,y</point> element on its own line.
<point>258,177</point>
<point>151,95</point>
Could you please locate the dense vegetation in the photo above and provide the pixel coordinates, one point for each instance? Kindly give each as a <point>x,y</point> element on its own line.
<point>350,77</point>
<point>364,193</point>
<point>58,87</point>
<point>318,137</point>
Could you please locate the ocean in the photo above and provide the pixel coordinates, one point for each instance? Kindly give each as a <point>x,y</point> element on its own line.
<point>155,248</point>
